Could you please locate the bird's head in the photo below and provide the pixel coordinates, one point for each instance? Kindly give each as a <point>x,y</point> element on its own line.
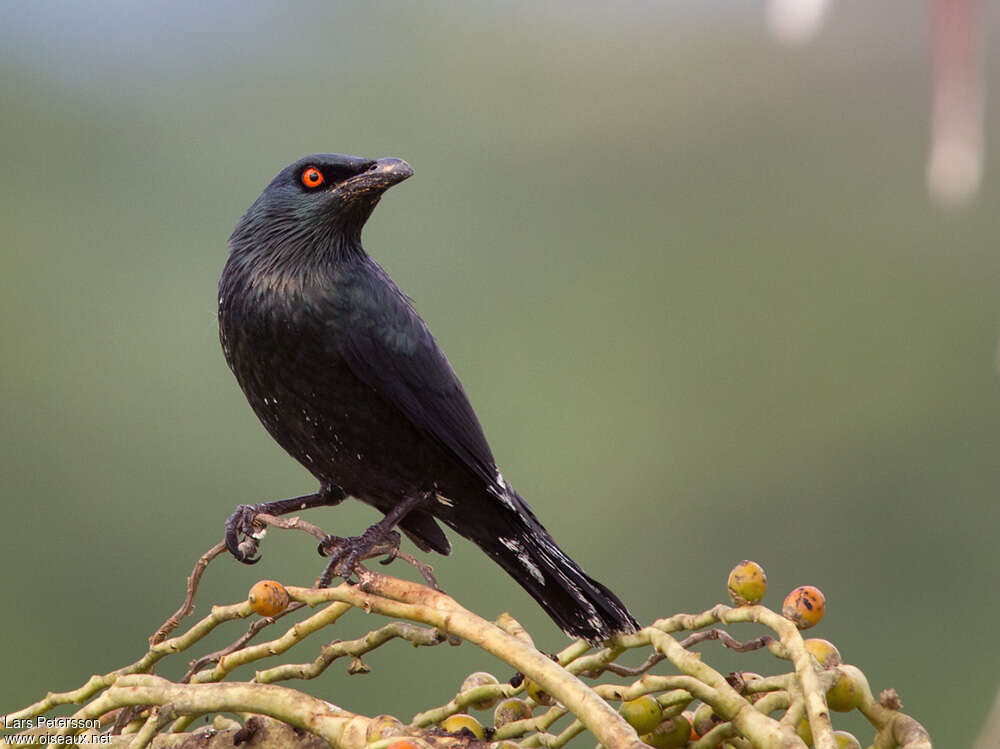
<point>318,204</point>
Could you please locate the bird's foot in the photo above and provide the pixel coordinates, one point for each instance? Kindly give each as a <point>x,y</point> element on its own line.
<point>243,533</point>
<point>346,554</point>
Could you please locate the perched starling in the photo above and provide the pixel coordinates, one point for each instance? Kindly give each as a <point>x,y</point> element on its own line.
<point>345,375</point>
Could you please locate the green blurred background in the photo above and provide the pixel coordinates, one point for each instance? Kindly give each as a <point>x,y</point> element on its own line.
<point>690,277</point>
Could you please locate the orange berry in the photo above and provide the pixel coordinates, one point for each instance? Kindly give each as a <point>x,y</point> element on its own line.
<point>404,744</point>
<point>268,598</point>
<point>689,717</point>
<point>805,606</point>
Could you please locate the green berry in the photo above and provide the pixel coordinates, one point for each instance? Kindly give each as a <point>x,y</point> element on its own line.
<point>643,713</point>
<point>705,719</point>
<point>846,740</point>
<point>672,733</point>
<point>845,694</point>
<point>460,722</point>
<point>535,691</point>
<point>383,727</point>
<point>824,651</point>
<point>747,583</point>
<point>480,679</point>
<point>510,710</point>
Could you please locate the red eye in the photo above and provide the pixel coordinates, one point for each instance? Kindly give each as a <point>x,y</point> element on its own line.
<point>312,177</point>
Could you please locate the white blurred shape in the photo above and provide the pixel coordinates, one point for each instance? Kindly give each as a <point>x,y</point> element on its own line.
<point>955,161</point>
<point>990,735</point>
<point>795,21</point>
<point>954,170</point>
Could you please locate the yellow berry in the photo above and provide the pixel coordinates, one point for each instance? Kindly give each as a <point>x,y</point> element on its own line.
<point>535,691</point>
<point>268,598</point>
<point>824,651</point>
<point>805,606</point>
<point>845,694</point>
<point>384,727</point>
<point>460,722</point>
<point>705,719</point>
<point>747,583</point>
<point>804,730</point>
<point>509,710</point>
<point>670,734</point>
<point>643,713</point>
<point>845,740</point>
<point>481,679</point>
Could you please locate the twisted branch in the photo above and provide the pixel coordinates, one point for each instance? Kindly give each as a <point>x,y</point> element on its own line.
<point>147,704</point>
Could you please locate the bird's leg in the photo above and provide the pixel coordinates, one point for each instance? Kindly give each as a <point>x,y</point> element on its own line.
<point>243,534</point>
<point>345,553</point>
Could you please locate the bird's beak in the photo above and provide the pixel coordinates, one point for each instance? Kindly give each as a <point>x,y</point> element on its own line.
<point>379,177</point>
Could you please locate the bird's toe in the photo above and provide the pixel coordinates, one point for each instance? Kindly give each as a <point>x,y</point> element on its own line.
<point>243,534</point>
<point>331,546</point>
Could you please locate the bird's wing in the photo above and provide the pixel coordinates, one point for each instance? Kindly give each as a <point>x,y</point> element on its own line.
<point>389,347</point>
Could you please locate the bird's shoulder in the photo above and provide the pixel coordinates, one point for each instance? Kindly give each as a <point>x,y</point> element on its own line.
<point>360,298</point>
<point>387,345</point>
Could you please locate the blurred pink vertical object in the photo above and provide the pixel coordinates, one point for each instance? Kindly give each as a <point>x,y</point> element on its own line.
<point>955,162</point>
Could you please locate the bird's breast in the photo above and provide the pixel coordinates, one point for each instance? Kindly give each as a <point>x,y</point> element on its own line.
<point>284,348</point>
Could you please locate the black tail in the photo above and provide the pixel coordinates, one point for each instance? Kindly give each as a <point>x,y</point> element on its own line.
<point>580,605</point>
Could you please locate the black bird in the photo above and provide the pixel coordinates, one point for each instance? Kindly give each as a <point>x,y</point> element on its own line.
<point>347,378</point>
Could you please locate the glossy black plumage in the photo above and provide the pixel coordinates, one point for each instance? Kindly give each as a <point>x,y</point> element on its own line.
<point>345,375</point>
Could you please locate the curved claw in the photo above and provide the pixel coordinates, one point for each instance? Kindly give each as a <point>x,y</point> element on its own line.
<point>248,555</point>
<point>330,545</point>
<point>241,524</point>
<point>346,554</point>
